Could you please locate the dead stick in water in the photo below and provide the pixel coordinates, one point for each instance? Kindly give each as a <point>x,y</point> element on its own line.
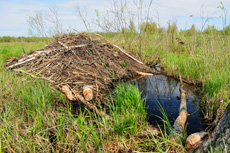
<point>179,124</point>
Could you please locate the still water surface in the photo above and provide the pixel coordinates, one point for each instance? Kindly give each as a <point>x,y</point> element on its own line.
<point>166,91</point>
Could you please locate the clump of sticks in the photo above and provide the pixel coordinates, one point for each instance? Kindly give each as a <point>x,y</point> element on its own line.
<point>76,60</point>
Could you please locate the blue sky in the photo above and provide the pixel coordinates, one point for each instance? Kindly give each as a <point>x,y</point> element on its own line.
<point>14,14</point>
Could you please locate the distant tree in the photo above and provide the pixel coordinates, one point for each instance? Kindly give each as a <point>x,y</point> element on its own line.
<point>172,28</point>
<point>192,31</point>
<point>150,27</point>
<point>211,29</point>
<point>132,28</point>
<point>227,30</point>
<point>45,25</point>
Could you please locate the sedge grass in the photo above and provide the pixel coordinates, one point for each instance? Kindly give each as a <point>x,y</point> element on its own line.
<point>202,58</point>
<point>37,118</point>
<point>14,49</point>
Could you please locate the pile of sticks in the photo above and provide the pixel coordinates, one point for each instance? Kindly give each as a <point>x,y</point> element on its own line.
<point>77,60</point>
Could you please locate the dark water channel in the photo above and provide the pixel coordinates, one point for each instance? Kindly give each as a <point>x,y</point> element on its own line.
<point>166,91</point>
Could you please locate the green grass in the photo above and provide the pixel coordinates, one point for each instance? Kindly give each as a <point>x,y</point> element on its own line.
<point>36,117</point>
<point>14,49</point>
<point>203,58</point>
<point>23,39</point>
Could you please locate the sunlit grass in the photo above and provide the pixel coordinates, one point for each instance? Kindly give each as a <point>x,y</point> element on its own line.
<point>36,117</point>
<point>202,58</point>
<point>14,49</point>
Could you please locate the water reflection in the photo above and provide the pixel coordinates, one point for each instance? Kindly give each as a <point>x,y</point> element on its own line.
<point>166,91</point>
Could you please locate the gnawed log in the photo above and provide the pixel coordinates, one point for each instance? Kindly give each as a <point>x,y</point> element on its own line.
<point>66,90</point>
<point>179,124</point>
<point>88,93</point>
<point>89,105</point>
<point>193,139</point>
<point>219,139</point>
<point>73,95</point>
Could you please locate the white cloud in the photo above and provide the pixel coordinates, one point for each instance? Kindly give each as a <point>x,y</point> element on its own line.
<point>14,15</point>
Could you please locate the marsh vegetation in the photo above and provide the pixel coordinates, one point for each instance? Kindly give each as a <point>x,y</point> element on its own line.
<point>37,117</point>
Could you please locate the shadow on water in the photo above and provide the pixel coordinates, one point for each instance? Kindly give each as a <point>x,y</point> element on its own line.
<point>159,89</point>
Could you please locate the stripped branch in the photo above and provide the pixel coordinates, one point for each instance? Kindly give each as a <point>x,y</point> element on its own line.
<point>179,124</point>
<point>71,47</point>
<point>122,50</point>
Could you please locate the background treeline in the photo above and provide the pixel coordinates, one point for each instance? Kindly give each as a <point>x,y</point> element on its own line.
<point>154,28</point>
<point>146,27</point>
<point>23,39</point>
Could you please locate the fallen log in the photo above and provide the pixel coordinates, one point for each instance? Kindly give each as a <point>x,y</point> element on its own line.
<point>218,141</point>
<point>193,139</point>
<point>180,121</point>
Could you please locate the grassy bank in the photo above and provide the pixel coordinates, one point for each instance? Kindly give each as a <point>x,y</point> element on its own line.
<point>198,57</point>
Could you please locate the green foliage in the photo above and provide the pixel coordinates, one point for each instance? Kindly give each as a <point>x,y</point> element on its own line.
<point>132,28</point>
<point>172,28</point>
<point>192,31</point>
<point>149,27</point>
<point>211,30</point>
<point>227,30</point>
<point>197,56</point>
<point>128,110</point>
<point>124,64</point>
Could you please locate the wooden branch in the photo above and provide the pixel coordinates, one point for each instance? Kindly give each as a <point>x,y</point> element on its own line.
<point>66,47</point>
<point>144,74</point>
<point>122,50</point>
<point>20,63</point>
<point>22,71</point>
<point>70,47</point>
<point>179,124</point>
<point>30,58</point>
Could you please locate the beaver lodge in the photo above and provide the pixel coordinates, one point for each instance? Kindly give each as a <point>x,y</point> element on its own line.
<point>74,61</point>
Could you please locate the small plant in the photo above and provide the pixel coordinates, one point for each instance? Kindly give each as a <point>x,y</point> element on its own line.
<point>124,64</point>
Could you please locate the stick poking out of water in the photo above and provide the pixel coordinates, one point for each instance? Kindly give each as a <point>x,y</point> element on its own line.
<point>179,124</point>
